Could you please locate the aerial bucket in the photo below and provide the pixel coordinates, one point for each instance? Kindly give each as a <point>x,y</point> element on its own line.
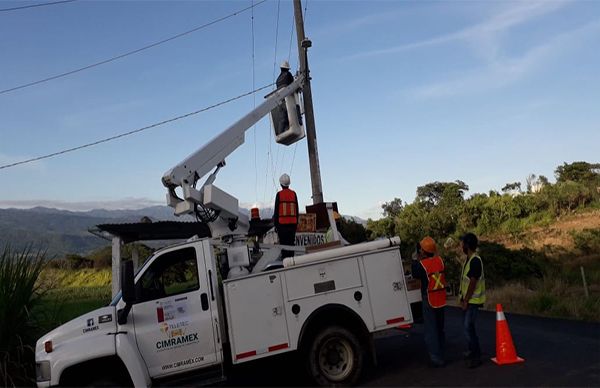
<point>287,120</point>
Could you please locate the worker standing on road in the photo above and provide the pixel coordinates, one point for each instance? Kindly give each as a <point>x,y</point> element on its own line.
<point>429,269</point>
<point>472,296</point>
<point>285,215</point>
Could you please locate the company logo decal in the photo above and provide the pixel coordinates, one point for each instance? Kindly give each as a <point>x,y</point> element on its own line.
<point>164,327</point>
<point>105,318</point>
<point>177,341</point>
<point>173,321</point>
<point>90,326</point>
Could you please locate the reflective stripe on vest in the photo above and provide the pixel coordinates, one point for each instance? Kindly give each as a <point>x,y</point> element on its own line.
<point>478,296</point>
<point>436,287</point>
<point>288,212</point>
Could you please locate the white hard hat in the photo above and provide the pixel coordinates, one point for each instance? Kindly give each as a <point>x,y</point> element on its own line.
<point>284,180</point>
<point>285,65</point>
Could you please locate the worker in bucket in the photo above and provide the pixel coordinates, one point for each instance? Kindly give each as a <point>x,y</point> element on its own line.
<point>429,269</point>
<point>280,117</point>
<point>285,215</point>
<point>472,296</point>
<point>285,77</point>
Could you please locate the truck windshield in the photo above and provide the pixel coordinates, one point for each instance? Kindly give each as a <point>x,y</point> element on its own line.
<point>115,299</point>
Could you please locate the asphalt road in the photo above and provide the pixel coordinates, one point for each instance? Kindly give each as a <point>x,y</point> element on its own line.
<point>557,353</point>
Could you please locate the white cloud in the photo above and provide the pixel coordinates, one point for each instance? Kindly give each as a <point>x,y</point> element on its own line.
<point>506,71</point>
<point>351,25</point>
<point>129,203</point>
<point>483,35</point>
<point>374,212</point>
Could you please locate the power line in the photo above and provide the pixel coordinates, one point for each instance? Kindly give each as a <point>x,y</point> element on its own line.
<point>134,131</point>
<point>254,107</point>
<point>130,52</point>
<point>305,8</point>
<point>270,151</point>
<point>294,158</point>
<point>36,5</point>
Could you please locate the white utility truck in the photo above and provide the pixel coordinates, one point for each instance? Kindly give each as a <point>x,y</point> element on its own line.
<point>196,307</point>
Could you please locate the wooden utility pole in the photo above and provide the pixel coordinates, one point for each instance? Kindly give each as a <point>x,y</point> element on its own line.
<point>311,134</point>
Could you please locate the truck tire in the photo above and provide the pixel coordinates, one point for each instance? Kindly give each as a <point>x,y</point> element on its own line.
<point>335,357</point>
<point>104,381</point>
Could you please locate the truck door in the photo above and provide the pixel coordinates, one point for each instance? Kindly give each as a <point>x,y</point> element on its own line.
<point>173,318</point>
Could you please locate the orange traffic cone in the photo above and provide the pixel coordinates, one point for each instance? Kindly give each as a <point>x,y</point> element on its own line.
<point>505,349</point>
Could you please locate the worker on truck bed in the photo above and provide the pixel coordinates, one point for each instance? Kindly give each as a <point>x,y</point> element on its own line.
<point>429,269</point>
<point>472,296</point>
<point>285,215</point>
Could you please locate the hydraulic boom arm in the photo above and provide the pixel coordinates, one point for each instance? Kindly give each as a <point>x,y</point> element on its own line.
<point>212,155</point>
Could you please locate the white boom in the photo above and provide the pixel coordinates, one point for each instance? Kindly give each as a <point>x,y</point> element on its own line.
<point>223,207</point>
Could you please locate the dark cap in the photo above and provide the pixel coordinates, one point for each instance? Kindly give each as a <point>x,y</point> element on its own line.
<point>470,240</point>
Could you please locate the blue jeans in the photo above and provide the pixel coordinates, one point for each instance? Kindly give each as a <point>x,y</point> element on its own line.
<point>469,318</point>
<point>435,339</point>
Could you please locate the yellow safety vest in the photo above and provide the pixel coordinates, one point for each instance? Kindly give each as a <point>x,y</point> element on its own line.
<point>478,296</point>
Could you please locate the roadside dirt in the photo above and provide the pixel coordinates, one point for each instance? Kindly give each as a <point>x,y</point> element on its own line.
<point>555,235</point>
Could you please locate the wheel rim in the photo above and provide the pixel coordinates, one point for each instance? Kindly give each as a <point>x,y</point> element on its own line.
<point>336,359</point>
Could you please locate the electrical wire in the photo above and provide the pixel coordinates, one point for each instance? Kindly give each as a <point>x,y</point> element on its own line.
<point>291,37</point>
<point>270,140</point>
<point>36,5</point>
<point>254,104</point>
<point>133,131</point>
<point>120,56</point>
<point>305,8</point>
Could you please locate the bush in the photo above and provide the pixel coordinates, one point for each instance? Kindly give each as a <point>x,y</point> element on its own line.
<point>587,240</point>
<point>353,231</point>
<point>502,265</point>
<point>20,293</point>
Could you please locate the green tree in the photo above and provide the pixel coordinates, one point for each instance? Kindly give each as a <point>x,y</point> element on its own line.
<point>392,208</point>
<point>353,231</point>
<point>512,187</point>
<point>583,172</point>
<point>432,193</point>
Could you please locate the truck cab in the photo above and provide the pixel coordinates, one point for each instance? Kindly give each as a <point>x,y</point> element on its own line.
<point>172,326</point>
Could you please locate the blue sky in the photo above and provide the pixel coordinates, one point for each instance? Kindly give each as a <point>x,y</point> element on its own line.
<point>405,93</point>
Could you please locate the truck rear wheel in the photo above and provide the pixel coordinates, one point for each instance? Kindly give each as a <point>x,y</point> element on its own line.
<point>335,357</point>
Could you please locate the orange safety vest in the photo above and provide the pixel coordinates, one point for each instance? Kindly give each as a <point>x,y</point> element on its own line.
<point>436,289</point>
<point>288,212</point>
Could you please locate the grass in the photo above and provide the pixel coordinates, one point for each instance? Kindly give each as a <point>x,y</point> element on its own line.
<point>73,293</point>
<point>20,295</point>
<point>559,293</point>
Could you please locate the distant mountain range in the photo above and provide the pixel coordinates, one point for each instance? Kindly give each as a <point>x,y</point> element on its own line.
<point>62,231</point>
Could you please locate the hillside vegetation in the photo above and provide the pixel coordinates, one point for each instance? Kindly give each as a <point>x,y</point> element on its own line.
<point>535,237</point>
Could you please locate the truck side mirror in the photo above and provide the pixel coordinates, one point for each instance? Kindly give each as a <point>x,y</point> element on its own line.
<point>127,282</point>
<point>127,291</point>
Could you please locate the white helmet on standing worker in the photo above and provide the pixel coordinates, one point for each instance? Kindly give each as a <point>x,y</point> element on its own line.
<point>285,65</point>
<point>284,180</point>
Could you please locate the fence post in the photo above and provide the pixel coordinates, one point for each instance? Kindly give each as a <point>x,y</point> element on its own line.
<point>585,287</point>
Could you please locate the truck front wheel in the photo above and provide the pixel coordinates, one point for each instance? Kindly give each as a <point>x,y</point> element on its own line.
<point>335,357</point>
